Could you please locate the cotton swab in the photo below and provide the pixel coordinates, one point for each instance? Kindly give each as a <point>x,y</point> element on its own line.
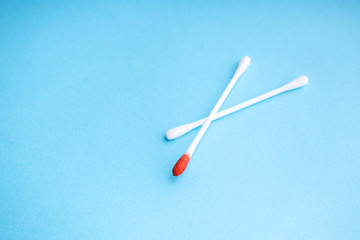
<point>182,163</point>
<point>183,129</point>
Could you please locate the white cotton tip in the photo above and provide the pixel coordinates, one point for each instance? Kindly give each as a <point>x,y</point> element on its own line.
<point>179,131</point>
<point>243,65</point>
<point>297,82</point>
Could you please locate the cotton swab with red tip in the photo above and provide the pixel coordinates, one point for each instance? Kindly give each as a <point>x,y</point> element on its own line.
<point>182,163</point>
<point>183,129</point>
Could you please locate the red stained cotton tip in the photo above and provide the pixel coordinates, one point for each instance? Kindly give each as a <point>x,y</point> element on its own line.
<point>181,164</point>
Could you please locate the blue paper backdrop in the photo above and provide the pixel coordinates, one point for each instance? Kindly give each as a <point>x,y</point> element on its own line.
<point>88,89</point>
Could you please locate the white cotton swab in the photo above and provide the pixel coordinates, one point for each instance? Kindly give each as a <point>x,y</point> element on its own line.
<point>183,129</point>
<point>181,164</point>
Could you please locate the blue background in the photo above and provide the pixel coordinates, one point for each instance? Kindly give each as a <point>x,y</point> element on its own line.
<point>88,89</point>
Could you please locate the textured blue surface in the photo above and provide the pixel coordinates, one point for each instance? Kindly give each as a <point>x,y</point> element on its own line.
<point>88,89</point>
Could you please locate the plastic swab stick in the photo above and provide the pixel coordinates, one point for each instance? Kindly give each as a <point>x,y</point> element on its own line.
<point>181,164</point>
<point>183,129</point>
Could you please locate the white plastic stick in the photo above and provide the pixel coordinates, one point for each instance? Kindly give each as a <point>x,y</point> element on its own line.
<point>243,65</point>
<point>183,129</point>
